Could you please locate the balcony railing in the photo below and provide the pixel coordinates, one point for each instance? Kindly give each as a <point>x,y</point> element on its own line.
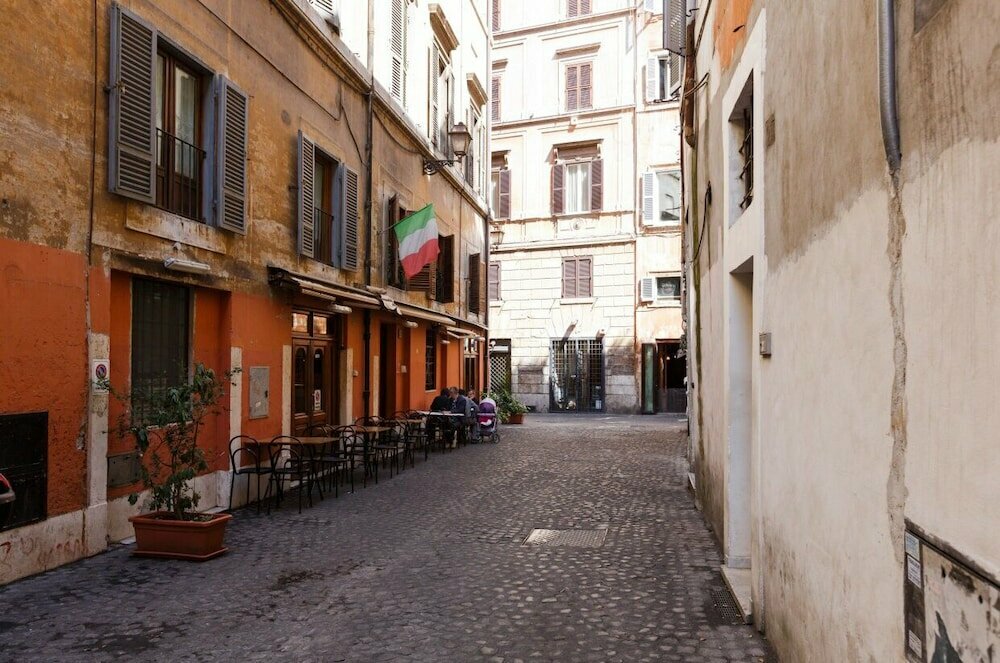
<point>179,175</point>
<point>322,235</point>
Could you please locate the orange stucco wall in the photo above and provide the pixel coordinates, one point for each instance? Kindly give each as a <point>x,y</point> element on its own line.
<point>261,326</point>
<point>731,28</point>
<point>43,356</point>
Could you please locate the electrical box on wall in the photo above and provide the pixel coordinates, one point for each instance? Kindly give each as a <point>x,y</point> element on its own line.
<point>951,609</point>
<point>260,377</point>
<point>765,344</point>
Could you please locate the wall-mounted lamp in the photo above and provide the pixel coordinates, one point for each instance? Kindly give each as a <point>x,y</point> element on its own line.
<point>410,324</point>
<point>445,341</point>
<point>340,308</point>
<point>460,140</point>
<point>189,266</point>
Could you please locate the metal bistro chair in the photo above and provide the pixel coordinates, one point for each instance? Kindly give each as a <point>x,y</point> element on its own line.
<point>416,434</point>
<point>400,434</point>
<point>330,462</point>
<point>298,465</point>
<point>380,448</point>
<point>243,448</point>
<point>355,450</point>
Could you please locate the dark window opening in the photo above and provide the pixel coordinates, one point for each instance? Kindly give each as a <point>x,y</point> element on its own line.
<point>444,283</point>
<point>746,152</point>
<point>179,155</point>
<point>394,275</point>
<point>160,337</point>
<point>430,360</point>
<point>24,461</point>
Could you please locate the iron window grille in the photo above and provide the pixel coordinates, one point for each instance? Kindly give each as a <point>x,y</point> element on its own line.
<point>24,461</point>
<point>576,375</point>
<point>430,360</point>
<point>160,337</point>
<point>746,151</point>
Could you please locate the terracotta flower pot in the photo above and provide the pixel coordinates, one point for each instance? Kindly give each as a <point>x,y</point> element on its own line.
<point>516,418</point>
<point>159,535</point>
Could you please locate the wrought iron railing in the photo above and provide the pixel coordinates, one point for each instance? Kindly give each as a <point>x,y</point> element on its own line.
<point>180,167</point>
<point>322,235</point>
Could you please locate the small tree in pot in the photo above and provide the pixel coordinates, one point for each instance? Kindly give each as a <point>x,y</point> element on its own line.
<point>510,409</point>
<point>165,425</point>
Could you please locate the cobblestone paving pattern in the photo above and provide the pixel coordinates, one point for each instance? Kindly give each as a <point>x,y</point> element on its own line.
<point>427,566</point>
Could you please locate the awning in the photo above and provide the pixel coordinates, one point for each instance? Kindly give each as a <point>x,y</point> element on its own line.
<point>408,311</point>
<point>458,332</point>
<point>321,289</point>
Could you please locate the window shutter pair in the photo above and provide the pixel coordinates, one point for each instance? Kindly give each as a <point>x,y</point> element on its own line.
<point>577,277</point>
<point>132,125</point>
<point>579,86</point>
<point>495,99</point>
<point>397,46</point>
<point>494,282</point>
<point>648,197</point>
<point>646,293</point>
<point>577,8</point>
<point>596,186</point>
<point>346,193</point>
<point>503,194</point>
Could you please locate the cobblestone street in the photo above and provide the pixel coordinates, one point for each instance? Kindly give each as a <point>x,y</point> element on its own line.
<point>427,566</point>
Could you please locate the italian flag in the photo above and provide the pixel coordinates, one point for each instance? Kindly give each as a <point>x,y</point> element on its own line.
<point>418,240</point>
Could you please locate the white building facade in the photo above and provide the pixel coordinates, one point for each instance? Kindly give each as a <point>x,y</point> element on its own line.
<point>585,273</point>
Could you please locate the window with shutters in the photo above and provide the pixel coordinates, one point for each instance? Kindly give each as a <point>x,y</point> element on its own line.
<point>160,136</point>
<point>444,271</point>
<point>577,277</point>
<point>577,185</point>
<point>161,336</point>
<point>475,284</point>
<point>578,89</point>
<point>495,98</point>
<point>430,359</point>
<point>660,81</point>
<point>661,197</point>
<point>494,282</point>
<point>394,275</point>
<point>576,8</point>
<point>328,205</point>
<point>500,193</point>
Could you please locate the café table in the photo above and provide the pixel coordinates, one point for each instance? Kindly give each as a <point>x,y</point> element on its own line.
<point>367,433</point>
<point>309,449</point>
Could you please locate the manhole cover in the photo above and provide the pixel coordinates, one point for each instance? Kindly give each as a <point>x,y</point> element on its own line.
<point>580,538</point>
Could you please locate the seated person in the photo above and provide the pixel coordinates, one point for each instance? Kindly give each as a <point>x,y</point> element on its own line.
<point>441,403</point>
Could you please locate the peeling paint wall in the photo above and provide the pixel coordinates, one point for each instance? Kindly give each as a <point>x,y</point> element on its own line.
<point>877,407</point>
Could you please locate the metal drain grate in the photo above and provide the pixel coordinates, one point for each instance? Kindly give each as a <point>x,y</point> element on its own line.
<point>726,605</point>
<point>579,538</point>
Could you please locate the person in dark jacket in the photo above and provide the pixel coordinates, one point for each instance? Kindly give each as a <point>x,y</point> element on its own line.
<point>441,403</point>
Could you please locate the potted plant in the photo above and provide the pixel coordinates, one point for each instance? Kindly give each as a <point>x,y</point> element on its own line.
<point>511,410</point>
<point>164,425</point>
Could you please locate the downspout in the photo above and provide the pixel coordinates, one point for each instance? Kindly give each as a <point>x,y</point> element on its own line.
<point>369,123</point>
<point>887,82</point>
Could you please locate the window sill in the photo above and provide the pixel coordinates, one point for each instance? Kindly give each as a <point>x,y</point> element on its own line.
<point>667,303</point>
<point>577,300</point>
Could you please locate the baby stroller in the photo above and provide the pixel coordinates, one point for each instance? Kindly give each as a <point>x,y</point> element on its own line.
<point>489,430</point>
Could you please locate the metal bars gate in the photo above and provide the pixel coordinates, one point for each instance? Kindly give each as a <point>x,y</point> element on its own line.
<point>576,375</point>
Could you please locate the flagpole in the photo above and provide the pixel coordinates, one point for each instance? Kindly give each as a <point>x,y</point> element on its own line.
<point>404,219</point>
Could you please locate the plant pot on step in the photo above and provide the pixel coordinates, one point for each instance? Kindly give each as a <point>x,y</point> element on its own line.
<point>159,534</point>
<point>517,418</point>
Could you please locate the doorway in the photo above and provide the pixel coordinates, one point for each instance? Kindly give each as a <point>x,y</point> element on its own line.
<point>739,415</point>
<point>576,375</point>
<point>387,370</point>
<point>672,377</point>
<point>314,344</point>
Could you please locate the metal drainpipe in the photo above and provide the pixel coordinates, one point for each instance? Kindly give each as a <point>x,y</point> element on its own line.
<point>366,394</point>
<point>887,82</point>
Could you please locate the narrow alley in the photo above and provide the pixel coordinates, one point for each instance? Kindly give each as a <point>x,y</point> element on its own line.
<point>431,565</point>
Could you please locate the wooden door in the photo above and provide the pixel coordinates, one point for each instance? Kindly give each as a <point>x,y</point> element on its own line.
<point>312,384</point>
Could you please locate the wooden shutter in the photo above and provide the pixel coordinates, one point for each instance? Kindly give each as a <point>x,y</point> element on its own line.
<point>132,108</point>
<point>648,197</point>
<point>481,287</point>
<point>433,91</point>
<point>326,5</point>
<point>558,187</point>
<point>496,15</point>
<point>646,291</point>
<point>494,282</point>
<point>586,85</point>
<point>503,195</point>
<point>584,277</point>
<point>569,278</point>
<point>231,179</point>
<point>675,29</point>
<point>495,99</point>
<point>349,220</point>
<point>474,284</point>
<point>397,47</point>
<point>584,7</point>
<point>446,267</point>
<point>307,200</point>
<point>596,185</point>
<point>652,79</point>
<point>421,281</point>
<point>572,8</point>
<point>572,87</point>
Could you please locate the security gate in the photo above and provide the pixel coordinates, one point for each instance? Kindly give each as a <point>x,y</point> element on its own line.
<point>576,375</point>
<point>500,374</point>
